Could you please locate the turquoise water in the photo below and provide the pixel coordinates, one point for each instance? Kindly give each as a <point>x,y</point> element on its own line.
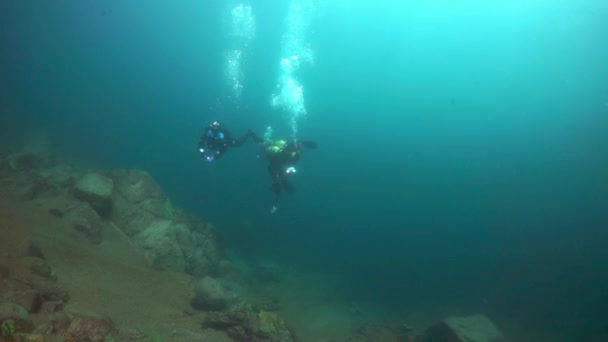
<point>462,148</point>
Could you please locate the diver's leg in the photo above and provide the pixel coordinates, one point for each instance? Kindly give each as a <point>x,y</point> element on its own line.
<point>289,187</point>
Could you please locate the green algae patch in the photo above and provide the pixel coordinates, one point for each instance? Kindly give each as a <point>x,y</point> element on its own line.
<point>169,211</point>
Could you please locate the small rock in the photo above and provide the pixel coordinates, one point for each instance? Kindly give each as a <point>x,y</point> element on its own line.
<point>56,213</point>
<point>209,294</point>
<point>34,251</point>
<point>52,291</point>
<point>97,191</point>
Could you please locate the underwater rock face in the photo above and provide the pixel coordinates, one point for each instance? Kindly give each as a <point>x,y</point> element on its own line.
<point>97,191</point>
<point>138,187</point>
<point>159,245</point>
<point>138,200</point>
<point>474,328</point>
<point>209,294</point>
<point>200,252</point>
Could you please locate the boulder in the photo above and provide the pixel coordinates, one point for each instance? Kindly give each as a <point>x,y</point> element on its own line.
<point>209,294</point>
<point>159,246</point>
<point>97,191</point>
<point>473,328</point>
<point>60,175</point>
<point>84,219</point>
<point>129,217</point>
<point>138,187</point>
<point>168,238</point>
<point>200,252</point>
<point>28,186</point>
<point>34,156</point>
<point>138,201</point>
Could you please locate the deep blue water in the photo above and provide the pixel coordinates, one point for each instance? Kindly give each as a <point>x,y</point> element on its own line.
<point>463,154</point>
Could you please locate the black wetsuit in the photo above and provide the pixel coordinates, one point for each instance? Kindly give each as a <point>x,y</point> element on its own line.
<point>277,165</point>
<point>217,139</point>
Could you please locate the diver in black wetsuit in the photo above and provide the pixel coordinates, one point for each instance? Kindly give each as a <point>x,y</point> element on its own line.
<point>281,157</point>
<point>216,140</point>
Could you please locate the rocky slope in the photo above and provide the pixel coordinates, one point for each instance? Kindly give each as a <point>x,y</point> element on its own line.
<point>102,255</point>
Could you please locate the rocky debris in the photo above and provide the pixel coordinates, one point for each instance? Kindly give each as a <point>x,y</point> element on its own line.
<point>93,329</point>
<point>18,315</point>
<point>240,325</point>
<point>32,172</point>
<point>473,328</point>
<point>274,327</point>
<point>84,219</point>
<point>244,325</point>
<point>55,212</point>
<point>96,190</point>
<point>209,294</point>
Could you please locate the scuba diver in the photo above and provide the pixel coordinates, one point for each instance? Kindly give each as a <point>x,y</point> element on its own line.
<point>216,140</point>
<point>281,156</point>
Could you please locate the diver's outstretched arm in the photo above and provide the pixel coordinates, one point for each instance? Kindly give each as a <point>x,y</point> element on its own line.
<point>256,138</point>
